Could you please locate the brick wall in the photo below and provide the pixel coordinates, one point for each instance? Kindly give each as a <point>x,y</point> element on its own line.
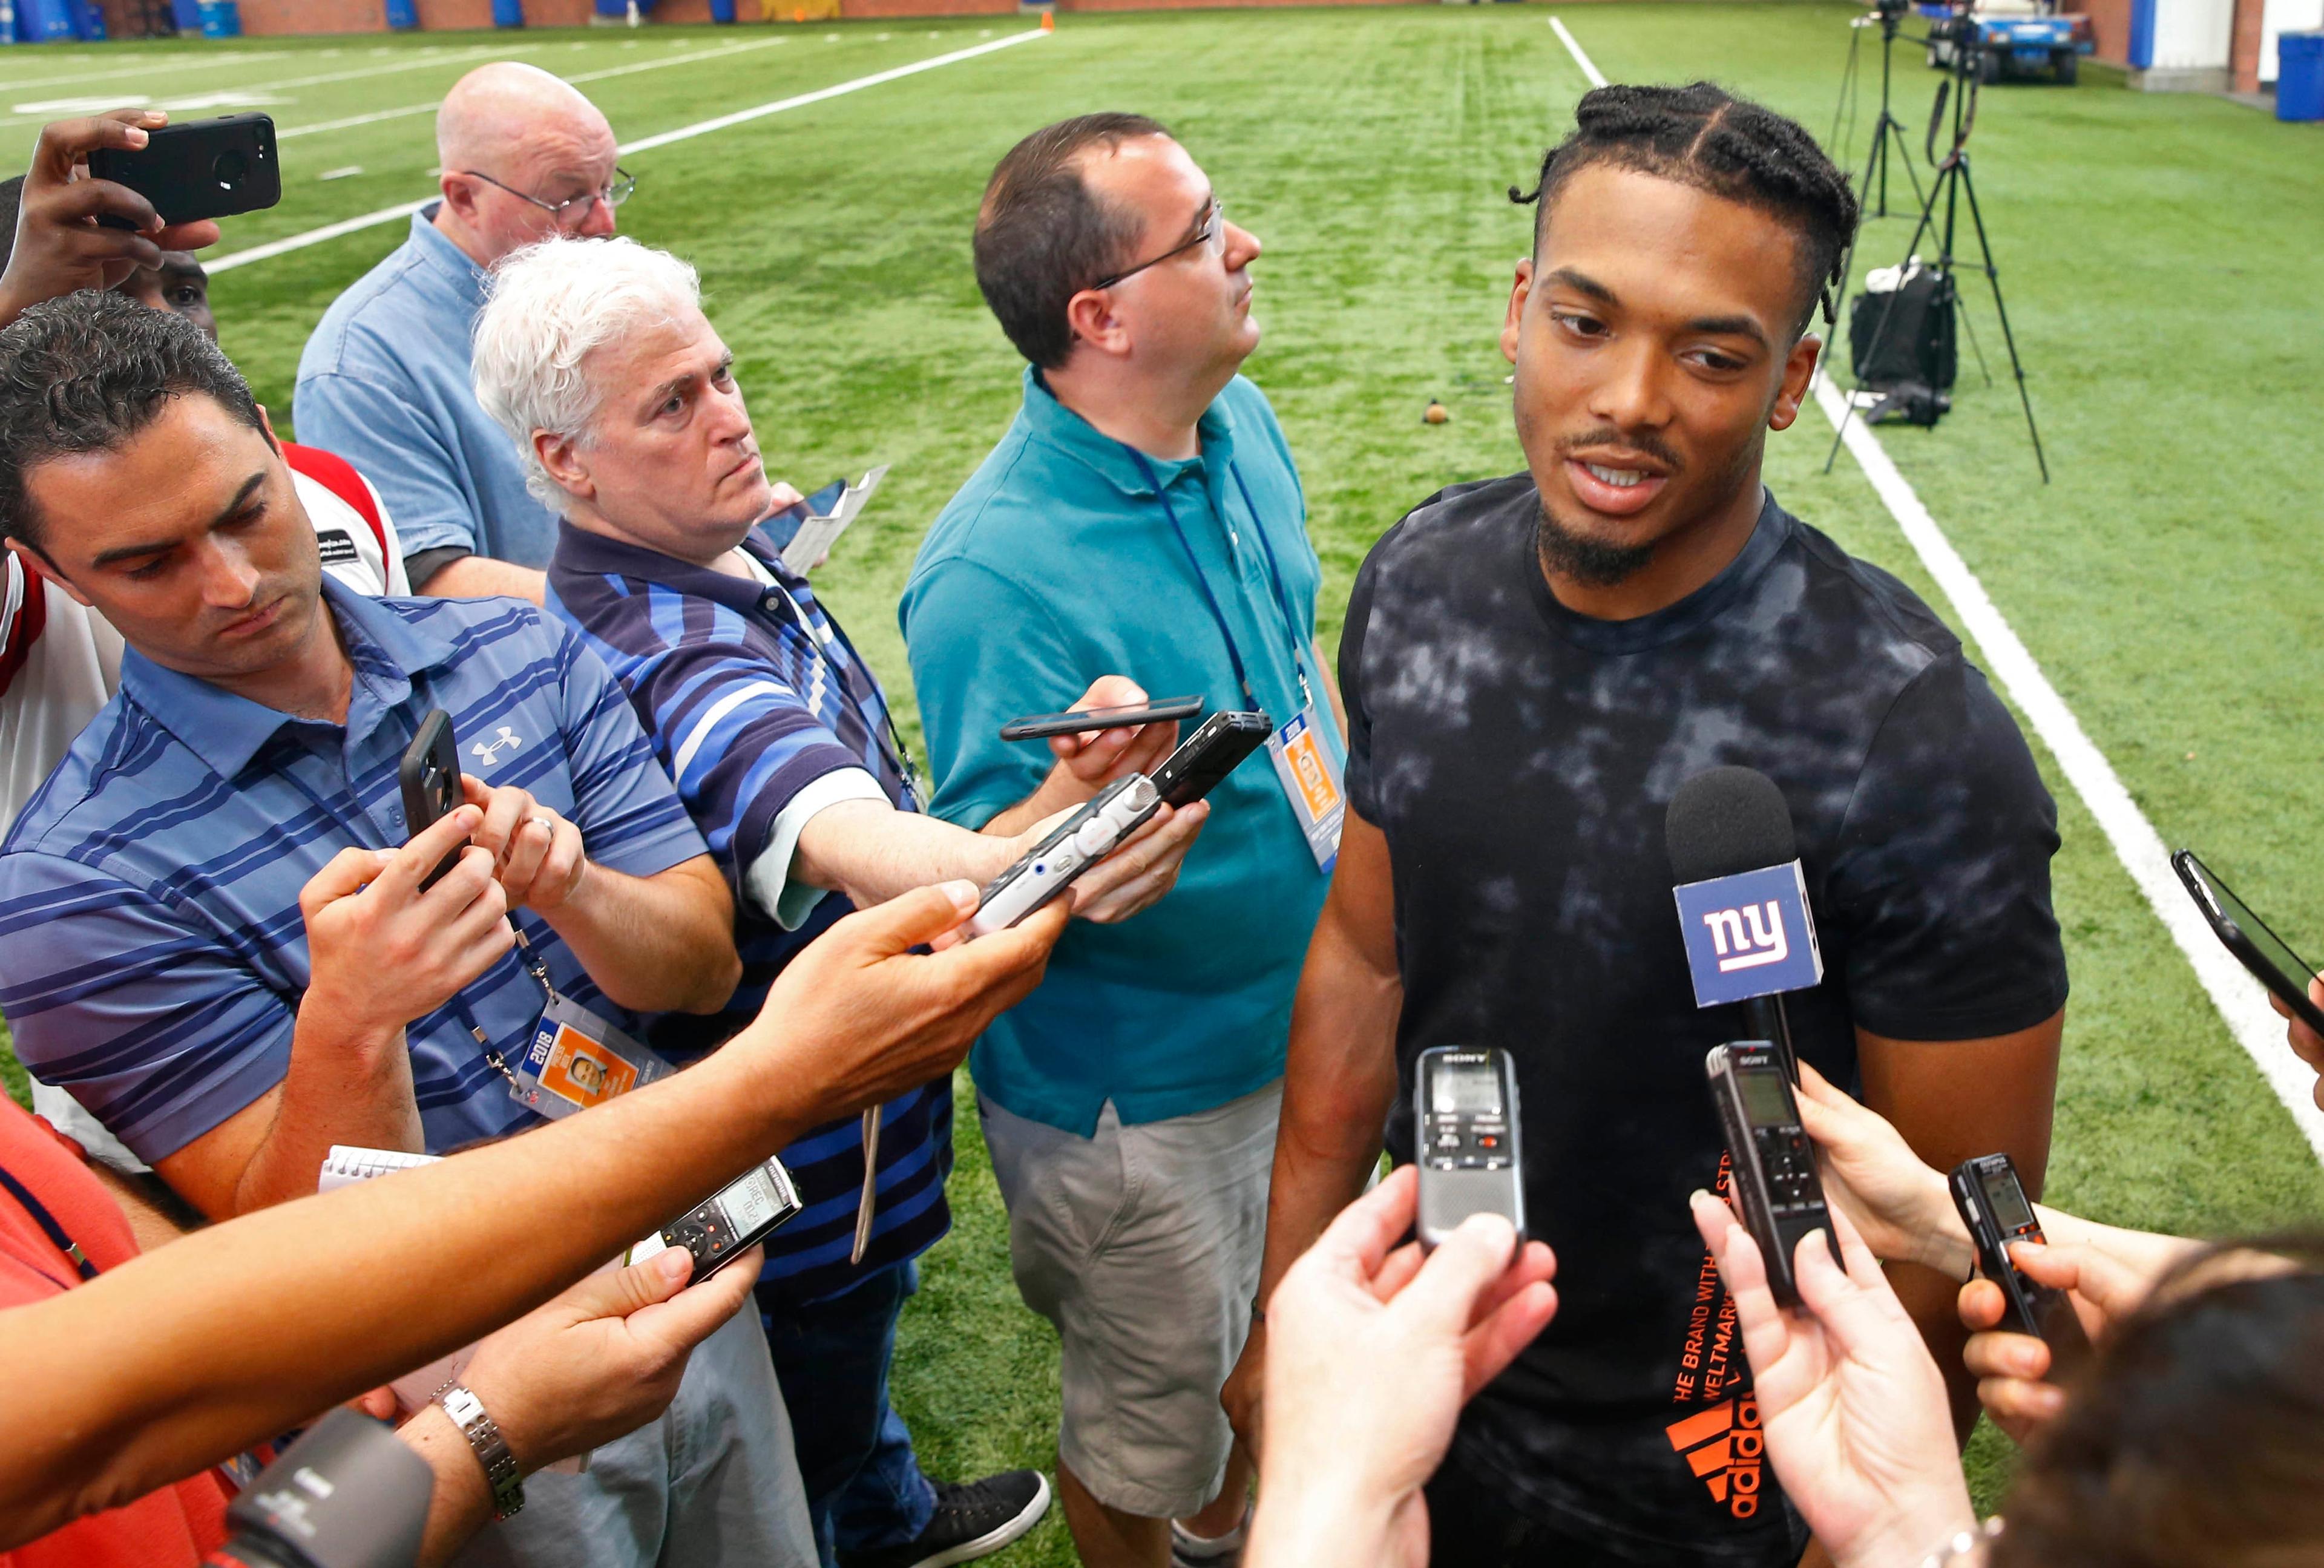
<point>2110,24</point>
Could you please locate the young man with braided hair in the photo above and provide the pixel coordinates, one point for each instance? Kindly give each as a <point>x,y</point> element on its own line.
<point>1532,667</point>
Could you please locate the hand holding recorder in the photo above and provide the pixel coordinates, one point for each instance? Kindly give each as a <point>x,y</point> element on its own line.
<point>62,247</point>
<point>1853,1407</point>
<point>1375,1349</point>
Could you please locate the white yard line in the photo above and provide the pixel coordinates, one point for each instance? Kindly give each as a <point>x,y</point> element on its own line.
<point>173,62</point>
<point>2241,1000</point>
<point>453,58</point>
<point>1589,69</point>
<point>432,104</point>
<point>332,231</point>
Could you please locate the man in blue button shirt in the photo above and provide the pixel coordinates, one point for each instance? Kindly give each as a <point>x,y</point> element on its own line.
<point>1143,515</point>
<point>781,745</point>
<point>384,378</point>
<point>182,944</point>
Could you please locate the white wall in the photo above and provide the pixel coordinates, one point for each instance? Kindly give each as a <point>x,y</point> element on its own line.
<point>2284,16</point>
<point>2197,34</point>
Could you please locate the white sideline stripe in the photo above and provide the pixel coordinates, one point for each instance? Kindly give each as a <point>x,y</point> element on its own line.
<point>182,62</point>
<point>1589,69</point>
<point>429,107</point>
<point>2241,1000</point>
<point>803,99</point>
<point>331,231</point>
<point>25,111</point>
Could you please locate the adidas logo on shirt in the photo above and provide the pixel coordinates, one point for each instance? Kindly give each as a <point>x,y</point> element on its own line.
<point>1724,1447</point>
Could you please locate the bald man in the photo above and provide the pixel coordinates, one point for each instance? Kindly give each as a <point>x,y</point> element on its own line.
<point>384,380</point>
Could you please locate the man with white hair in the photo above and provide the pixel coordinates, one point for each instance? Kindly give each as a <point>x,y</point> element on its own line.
<point>623,401</point>
<point>384,380</point>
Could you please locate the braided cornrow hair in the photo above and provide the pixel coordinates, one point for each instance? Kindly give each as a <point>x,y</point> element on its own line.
<point>1704,136</point>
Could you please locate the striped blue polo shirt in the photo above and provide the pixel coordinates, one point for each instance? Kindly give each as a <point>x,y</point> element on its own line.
<point>152,954</point>
<point>762,712</point>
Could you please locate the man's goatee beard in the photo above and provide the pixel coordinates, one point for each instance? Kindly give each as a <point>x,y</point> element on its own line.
<point>1592,563</point>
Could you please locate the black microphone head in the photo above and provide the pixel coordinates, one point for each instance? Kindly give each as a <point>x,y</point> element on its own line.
<point>1726,821</point>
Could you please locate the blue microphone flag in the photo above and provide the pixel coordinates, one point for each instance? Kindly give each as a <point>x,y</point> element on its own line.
<point>1748,934</point>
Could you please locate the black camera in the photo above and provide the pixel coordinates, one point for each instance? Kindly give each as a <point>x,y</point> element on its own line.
<point>348,1494</point>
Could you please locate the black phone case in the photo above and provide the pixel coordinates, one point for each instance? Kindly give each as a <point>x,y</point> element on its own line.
<point>197,169</point>
<point>1041,726</point>
<point>1209,754</point>
<point>433,744</point>
<point>2040,1310</point>
<point>2291,989</point>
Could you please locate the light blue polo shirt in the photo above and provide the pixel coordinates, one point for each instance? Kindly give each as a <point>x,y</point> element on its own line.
<point>152,953</point>
<point>1056,564</point>
<point>384,383</point>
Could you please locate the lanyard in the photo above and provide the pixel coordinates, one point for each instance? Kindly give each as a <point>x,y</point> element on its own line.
<point>49,1226</point>
<point>1203,581</point>
<point>883,734</point>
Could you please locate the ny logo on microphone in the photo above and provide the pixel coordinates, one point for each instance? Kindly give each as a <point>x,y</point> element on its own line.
<point>1763,943</point>
<point>1749,935</point>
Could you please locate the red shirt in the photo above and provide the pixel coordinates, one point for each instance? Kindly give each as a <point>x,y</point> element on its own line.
<point>169,1528</point>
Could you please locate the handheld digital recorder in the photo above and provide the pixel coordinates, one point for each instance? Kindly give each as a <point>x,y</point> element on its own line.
<point>1207,756</point>
<point>724,1226</point>
<point>1775,1173</point>
<point>1464,1117</point>
<point>1079,843</point>
<point>1993,1205</point>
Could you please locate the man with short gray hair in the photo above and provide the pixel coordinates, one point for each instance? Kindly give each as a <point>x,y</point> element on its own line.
<point>384,380</point>
<point>622,399</point>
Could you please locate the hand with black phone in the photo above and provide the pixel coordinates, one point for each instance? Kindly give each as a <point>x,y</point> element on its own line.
<point>62,244</point>
<point>202,168</point>
<point>1084,721</point>
<point>429,774</point>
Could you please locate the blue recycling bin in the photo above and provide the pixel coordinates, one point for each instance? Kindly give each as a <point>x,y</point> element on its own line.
<point>221,19</point>
<point>508,13</point>
<point>43,21</point>
<point>2300,76</point>
<point>186,15</point>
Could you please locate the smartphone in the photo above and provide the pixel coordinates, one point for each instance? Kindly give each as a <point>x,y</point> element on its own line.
<point>1774,1165</point>
<point>1993,1205</point>
<point>721,1228</point>
<point>430,776</point>
<point>1209,754</point>
<point>1078,843</point>
<point>1465,1116</point>
<point>200,169</point>
<point>2267,955</point>
<point>1041,726</point>
<point>783,527</point>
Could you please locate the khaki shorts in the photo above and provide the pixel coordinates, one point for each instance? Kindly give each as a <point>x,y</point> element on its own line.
<point>1142,1245</point>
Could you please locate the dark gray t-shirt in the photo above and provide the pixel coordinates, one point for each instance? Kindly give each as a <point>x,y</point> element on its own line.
<point>1519,759</point>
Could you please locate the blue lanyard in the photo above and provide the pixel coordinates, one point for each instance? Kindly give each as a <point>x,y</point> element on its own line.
<point>1203,581</point>
<point>49,1228</point>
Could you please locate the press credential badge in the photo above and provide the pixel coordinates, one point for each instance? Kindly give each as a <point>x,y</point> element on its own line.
<point>579,1060</point>
<point>1310,768</point>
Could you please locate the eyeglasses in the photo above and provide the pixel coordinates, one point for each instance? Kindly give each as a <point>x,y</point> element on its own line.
<point>1213,233</point>
<point>615,192</point>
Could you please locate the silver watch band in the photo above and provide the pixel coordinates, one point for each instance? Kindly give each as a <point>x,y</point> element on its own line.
<point>467,1414</point>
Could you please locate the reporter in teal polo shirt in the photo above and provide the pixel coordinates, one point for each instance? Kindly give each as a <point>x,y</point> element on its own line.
<point>1142,515</point>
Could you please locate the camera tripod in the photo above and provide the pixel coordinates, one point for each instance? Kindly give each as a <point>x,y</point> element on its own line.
<point>1872,189</point>
<point>1952,187</point>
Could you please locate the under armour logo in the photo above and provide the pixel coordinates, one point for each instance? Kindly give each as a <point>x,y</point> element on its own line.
<point>489,753</point>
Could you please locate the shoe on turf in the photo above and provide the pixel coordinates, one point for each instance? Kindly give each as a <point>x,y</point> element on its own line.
<point>972,1520</point>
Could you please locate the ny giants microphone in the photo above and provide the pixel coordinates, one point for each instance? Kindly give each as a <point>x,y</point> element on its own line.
<point>1742,901</point>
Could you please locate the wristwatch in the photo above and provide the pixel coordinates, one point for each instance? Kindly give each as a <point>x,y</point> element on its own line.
<point>467,1414</point>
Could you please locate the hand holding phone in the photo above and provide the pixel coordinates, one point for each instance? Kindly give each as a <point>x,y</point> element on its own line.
<point>1083,720</point>
<point>61,246</point>
<point>429,776</point>
<point>202,168</point>
<point>2266,956</point>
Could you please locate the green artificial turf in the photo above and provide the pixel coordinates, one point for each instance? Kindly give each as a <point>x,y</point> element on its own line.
<point>2161,254</point>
